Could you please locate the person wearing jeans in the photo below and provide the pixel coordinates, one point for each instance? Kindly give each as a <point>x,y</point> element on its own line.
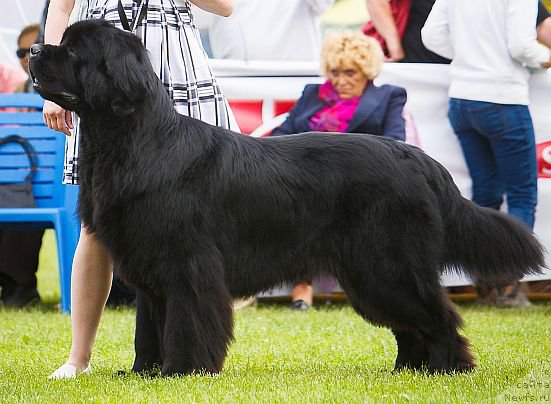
<point>491,48</point>
<point>500,150</point>
<point>499,147</point>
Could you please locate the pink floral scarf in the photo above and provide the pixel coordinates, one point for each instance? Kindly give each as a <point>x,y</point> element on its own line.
<point>336,113</point>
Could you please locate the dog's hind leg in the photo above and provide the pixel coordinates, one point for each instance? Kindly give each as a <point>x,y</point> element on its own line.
<point>199,319</point>
<point>418,312</point>
<point>435,324</point>
<point>449,351</point>
<point>147,341</point>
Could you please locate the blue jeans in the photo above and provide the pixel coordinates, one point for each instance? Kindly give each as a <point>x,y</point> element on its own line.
<point>499,146</point>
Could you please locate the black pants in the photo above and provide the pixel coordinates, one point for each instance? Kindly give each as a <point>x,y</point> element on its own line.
<point>19,251</point>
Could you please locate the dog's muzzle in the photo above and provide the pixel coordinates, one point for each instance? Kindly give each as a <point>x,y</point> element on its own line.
<point>35,51</point>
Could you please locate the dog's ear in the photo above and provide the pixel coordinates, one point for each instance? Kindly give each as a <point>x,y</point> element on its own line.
<point>131,74</point>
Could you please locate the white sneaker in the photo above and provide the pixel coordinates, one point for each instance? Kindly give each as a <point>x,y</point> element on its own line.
<point>69,371</point>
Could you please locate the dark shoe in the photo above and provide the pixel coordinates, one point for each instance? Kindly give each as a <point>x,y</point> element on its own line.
<point>21,296</point>
<point>299,305</point>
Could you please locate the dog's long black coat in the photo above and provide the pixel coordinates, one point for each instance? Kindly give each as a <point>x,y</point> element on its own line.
<point>192,214</point>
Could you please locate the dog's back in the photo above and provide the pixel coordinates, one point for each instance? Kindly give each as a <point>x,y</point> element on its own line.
<point>291,205</point>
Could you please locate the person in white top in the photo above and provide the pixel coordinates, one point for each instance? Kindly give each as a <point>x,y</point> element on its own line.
<point>492,44</point>
<point>269,30</point>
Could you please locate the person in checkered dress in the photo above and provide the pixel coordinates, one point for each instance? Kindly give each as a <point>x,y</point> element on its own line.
<point>169,33</point>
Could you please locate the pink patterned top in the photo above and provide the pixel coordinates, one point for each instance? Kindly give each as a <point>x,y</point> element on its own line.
<point>336,113</point>
<point>10,79</point>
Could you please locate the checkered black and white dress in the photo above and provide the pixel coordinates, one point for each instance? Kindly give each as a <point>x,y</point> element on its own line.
<point>177,55</point>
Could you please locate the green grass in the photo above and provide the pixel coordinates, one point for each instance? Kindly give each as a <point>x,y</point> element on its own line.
<point>323,355</point>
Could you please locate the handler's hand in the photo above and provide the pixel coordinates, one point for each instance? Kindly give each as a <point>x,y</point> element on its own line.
<point>57,118</point>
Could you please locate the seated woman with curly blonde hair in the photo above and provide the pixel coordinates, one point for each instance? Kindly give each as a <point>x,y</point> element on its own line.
<point>348,101</point>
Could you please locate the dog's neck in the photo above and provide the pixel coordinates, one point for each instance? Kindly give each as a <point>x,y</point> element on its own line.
<point>111,145</point>
<point>152,113</point>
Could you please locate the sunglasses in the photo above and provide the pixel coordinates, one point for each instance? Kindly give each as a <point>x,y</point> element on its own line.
<point>22,52</point>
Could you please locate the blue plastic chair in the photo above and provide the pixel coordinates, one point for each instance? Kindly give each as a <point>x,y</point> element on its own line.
<point>56,203</point>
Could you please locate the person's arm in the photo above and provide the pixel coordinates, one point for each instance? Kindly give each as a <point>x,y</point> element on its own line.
<point>58,18</point>
<point>383,21</point>
<point>288,126</point>
<point>521,34</point>
<point>544,32</point>
<point>220,7</point>
<point>543,25</point>
<point>436,33</point>
<point>394,125</point>
<point>55,117</point>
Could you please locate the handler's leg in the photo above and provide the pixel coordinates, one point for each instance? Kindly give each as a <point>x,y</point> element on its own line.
<point>90,285</point>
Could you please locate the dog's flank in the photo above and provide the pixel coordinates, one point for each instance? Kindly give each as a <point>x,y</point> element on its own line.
<point>192,215</point>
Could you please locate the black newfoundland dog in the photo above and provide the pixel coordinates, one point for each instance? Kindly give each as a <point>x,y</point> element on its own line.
<point>193,215</point>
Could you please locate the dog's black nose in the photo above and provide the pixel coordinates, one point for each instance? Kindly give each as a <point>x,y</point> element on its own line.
<point>36,49</point>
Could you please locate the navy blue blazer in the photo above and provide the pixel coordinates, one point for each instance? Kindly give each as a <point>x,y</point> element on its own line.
<point>379,112</point>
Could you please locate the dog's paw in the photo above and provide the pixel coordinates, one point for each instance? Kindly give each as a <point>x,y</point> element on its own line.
<point>143,370</point>
<point>410,365</point>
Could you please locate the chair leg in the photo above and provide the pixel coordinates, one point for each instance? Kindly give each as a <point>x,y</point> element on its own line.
<point>67,238</point>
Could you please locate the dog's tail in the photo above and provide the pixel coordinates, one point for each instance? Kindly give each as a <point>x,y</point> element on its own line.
<point>488,245</point>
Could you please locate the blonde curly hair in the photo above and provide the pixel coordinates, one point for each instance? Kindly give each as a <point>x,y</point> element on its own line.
<point>349,47</point>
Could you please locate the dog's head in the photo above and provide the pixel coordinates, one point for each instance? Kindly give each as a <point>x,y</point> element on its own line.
<point>97,67</point>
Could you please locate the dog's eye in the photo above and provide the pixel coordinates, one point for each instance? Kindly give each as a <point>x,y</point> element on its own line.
<point>72,52</point>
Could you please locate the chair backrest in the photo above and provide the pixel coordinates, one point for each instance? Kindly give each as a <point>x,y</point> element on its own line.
<point>20,114</point>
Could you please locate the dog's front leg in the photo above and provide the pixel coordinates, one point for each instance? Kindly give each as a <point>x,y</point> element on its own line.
<point>147,342</point>
<point>198,324</point>
<point>412,350</point>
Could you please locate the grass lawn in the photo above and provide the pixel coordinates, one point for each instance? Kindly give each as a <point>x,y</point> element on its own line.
<point>324,355</point>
